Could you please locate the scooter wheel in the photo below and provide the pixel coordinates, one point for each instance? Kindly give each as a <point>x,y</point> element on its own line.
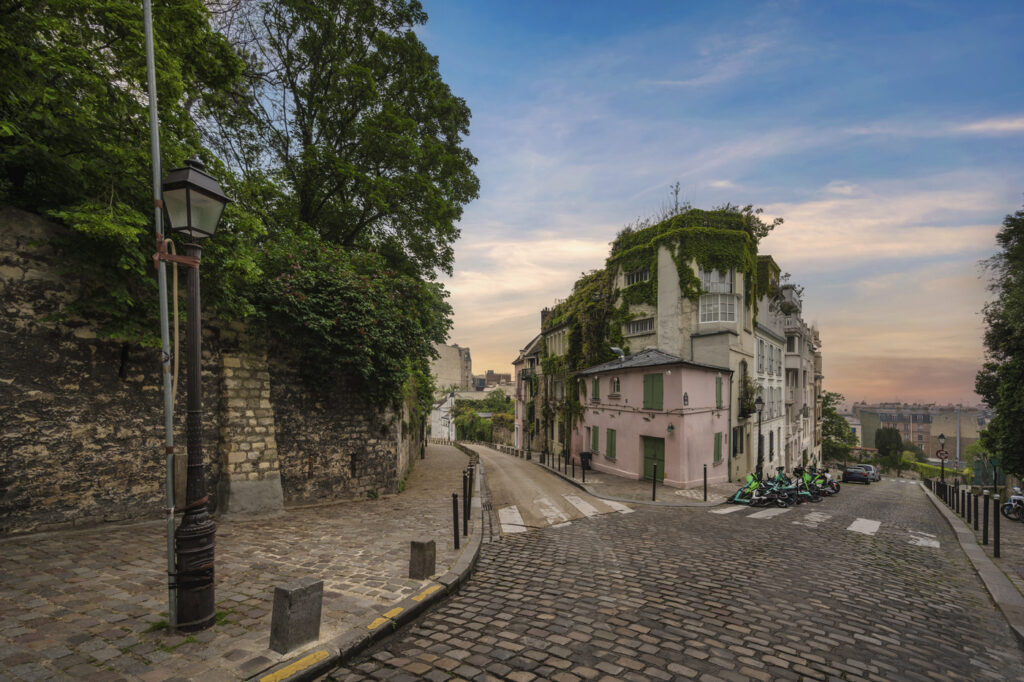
<point>815,498</point>
<point>781,502</point>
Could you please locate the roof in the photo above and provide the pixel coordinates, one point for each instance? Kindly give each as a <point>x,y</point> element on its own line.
<point>530,349</point>
<point>651,357</point>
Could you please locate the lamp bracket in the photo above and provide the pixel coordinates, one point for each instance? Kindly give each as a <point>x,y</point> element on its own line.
<point>163,255</point>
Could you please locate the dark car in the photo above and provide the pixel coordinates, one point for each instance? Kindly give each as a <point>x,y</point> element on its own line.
<point>856,474</point>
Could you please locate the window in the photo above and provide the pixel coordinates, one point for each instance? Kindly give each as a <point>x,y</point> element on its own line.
<point>718,448</point>
<point>614,388</point>
<point>609,443</point>
<point>595,389</point>
<point>718,392</point>
<point>716,281</point>
<point>637,276</point>
<point>717,304</point>
<point>790,344</point>
<point>737,441</point>
<point>778,362</point>
<point>561,432</point>
<point>595,434</point>
<point>718,308</point>
<point>760,355</point>
<point>641,326</point>
<point>653,391</point>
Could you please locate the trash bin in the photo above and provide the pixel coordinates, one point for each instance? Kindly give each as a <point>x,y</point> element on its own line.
<point>585,460</point>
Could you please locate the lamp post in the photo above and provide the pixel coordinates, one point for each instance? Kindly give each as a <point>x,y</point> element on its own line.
<point>759,406</point>
<point>942,446</point>
<point>194,203</point>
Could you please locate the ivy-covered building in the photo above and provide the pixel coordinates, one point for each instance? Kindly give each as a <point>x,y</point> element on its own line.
<point>690,287</point>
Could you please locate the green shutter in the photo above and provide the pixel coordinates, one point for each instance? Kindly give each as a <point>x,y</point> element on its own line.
<point>595,434</point>
<point>718,392</point>
<point>609,445</point>
<point>595,392</point>
<point>718,446</point>
<point>653,391</point>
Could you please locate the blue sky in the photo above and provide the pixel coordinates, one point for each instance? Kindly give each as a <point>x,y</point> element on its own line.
<point>888,135</point>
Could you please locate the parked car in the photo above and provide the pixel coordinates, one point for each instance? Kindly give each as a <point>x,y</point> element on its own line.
<point>872,471</point>
<point>858,474</point>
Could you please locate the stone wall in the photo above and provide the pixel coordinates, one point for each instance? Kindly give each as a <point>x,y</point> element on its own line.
<point>81,418</point>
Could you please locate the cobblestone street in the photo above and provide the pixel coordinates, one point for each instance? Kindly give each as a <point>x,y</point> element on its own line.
<point>687,593</point>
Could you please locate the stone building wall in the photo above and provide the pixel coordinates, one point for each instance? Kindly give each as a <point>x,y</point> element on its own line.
<point>81,418</point>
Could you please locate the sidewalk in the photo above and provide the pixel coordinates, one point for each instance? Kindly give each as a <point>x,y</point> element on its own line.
<point>88,604</point>
<point>601,484</point>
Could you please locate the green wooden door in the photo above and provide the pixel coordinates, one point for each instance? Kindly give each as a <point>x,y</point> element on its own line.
<point>654,453</point>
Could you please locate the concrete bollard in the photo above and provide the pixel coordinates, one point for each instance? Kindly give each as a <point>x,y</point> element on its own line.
<point>296,617</point>
<point>422,559</point>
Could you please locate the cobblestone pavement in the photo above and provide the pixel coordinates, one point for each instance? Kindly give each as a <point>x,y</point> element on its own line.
<point>811,592</point>
<point>86,604</point>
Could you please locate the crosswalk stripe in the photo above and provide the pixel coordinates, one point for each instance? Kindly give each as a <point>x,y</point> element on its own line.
<point>511,520</point>
<point>923,539</point>
<point>727,510</point>
<point>552,514</point>
<point>585,508</point>
<point>813,519</point>
<point>865,526</point>
<point>619,507</point>
<point>769,513</point>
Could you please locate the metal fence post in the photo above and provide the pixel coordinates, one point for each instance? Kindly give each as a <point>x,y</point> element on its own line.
<point>995,526</point>
<point>984,521</point>
<point>654,484</point>
<point>455,517</point>
<point>976,511</point>
<point>705,482</point>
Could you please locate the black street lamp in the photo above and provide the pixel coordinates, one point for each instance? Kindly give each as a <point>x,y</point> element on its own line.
<point>759,406</point>
<point>194,202</point>
<point>942,447</point>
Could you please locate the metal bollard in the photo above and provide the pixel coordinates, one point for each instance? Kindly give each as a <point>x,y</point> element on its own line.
<point>455,517</point>
<point>976,511</point>
<point>963,504</point>
<point>654,484</point>
<point>574,468</point>
<point>583,472</point>
<point>995,526</point>
<point>984,521</point>
<point>970,494</point>
<point>956,501</point>
<point>705,482</point>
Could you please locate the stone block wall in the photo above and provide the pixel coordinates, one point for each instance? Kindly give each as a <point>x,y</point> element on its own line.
<point>81,418</point>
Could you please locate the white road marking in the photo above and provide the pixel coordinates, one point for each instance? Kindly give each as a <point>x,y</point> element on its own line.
<point>551,513</point>
<point>768,513</point>
<point>619,507</point>
<point>813,519</point>
<point>727,510</point>
<point>866,526</point>
<point>511,520</point>
<point>923,539</point>
<point>585,508</point>
<point>562,525</point>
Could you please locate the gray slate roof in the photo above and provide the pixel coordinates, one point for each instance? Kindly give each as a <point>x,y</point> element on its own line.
<point>652,357</point>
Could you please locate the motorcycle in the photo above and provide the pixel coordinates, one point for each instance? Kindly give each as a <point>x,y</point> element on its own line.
<point>1013,508</point>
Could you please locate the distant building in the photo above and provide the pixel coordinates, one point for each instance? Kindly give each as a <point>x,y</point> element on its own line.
<point>493,378</point>
<point>922,424</point>
<point>454,367</point>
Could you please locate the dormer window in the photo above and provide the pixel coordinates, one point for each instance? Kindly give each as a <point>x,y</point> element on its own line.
<point>637,276</point>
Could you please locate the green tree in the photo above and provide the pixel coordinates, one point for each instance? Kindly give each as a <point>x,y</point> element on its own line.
<point>1000,382</point>
<point>890,447</point>
<point>836,435</point>
<point>350,111</point>
<point>74,126</point>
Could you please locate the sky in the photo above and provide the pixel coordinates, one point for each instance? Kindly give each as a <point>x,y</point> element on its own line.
<point>887,135</point>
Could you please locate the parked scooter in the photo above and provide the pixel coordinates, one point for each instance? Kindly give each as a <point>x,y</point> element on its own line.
<point>1013,508</point>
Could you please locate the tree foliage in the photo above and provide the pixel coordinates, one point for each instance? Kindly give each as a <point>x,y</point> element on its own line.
<point>327,123</point>
<point>888,441</point>
<point>837,436</point>
<point>1000,382</point>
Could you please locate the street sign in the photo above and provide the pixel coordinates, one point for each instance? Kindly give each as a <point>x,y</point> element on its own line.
<point>942,454</point>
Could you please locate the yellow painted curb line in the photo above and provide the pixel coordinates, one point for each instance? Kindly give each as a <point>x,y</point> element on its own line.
<point>426,593</point>
<point>299,665</point>
<point>388,615</point>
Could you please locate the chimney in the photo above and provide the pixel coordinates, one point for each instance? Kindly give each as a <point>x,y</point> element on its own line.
<point>544,315</point>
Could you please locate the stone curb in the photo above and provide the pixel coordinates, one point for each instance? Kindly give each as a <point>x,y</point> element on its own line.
<point>1006,597</point>
<point>589,489</point>
<point>320,660</point>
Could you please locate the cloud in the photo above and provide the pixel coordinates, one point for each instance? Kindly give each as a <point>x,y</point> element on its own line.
<point>722,184</point>
<point>994,126</point>
<point>722,59</point>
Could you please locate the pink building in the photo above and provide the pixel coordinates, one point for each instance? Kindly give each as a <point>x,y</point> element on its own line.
<point>651,409</point>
